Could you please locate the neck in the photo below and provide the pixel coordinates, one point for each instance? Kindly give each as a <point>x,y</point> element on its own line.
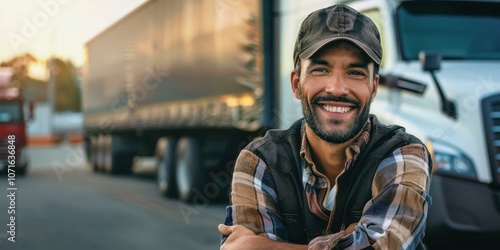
<point>328,157</point>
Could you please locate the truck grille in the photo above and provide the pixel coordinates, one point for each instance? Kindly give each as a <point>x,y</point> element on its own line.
<point>491,115</point>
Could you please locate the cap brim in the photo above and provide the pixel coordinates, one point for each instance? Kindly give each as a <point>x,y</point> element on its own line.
<point>308,52</point>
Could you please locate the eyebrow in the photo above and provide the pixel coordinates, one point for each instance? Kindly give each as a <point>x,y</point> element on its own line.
<point>315,61</point>
<point>361,64</point>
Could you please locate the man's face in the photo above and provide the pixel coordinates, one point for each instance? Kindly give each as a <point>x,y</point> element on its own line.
<point>336,87</point>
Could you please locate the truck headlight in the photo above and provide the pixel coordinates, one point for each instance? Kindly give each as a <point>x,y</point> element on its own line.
<point>451,161</point>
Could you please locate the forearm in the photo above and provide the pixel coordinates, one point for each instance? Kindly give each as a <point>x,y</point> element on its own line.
<point>264,243</point>
<point>242,238</point>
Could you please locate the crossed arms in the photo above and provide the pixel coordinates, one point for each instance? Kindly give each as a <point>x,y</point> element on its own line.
<point>394,217</point>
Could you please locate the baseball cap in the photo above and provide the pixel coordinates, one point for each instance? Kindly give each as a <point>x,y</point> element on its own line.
<point>337,22</point>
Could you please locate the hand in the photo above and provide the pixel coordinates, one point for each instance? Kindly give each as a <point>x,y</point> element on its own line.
<point>239,236</point>
<point>351,229</point>
<point>242,238</point>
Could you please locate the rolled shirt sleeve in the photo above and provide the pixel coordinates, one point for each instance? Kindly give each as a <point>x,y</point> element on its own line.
<point>253,198</point>
<point>395,217</point>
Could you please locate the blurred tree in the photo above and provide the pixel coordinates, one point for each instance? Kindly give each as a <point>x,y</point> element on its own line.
<point>67,86</point>
<point>67,91</point>
<point>33,89</point>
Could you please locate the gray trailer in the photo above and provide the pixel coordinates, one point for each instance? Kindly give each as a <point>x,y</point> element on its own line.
<point>192,81</point>
<point>189,82</point>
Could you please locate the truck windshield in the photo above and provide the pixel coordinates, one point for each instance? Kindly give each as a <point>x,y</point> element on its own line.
<point>456,30</point>
<point>10,112</point>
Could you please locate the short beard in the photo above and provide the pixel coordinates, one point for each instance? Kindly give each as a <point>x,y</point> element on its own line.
<point>336,136</point>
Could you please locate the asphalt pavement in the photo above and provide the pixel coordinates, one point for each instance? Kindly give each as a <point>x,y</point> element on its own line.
<point>62,204</point>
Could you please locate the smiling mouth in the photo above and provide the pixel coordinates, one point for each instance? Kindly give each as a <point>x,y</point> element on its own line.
<point>336,109</point>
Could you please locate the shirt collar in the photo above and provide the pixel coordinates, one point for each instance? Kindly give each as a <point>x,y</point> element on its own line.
<point>351,152</point>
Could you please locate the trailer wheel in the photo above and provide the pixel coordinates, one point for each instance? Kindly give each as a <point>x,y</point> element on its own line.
<point>165,170</point>
<point>190,172</point>
<point>107,157</point>
<point>100,151</point>
<point>93,154</point>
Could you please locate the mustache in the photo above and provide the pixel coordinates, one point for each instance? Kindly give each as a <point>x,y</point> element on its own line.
<point>331,98</point>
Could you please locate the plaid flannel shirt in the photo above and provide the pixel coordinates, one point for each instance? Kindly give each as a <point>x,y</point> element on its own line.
<point>393,219</point>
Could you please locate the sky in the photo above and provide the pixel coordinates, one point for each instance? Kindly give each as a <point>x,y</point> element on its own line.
<point>60,27</point>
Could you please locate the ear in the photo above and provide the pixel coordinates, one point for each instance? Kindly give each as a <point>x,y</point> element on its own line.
<point>295,82</point>
<point>375,86</point>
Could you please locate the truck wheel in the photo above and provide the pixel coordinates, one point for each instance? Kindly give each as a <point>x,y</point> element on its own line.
<point>93,154</point>
<point>190,173</point>
<point>165,170</point>
<point>100,151</point>
<point>106,148</point>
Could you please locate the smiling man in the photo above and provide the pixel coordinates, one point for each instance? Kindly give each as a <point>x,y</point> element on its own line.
<point>337,179</point>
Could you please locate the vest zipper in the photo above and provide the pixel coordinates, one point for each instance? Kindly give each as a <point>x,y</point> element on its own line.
<point>330,219</point>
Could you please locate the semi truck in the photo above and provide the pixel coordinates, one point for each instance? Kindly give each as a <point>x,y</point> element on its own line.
<point>186,81</point>
<point>440,80</point>
<point>13,140</point>
<point>192,82</point>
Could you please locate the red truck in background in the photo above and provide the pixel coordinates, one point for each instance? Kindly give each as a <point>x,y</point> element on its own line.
<point>13,139</point>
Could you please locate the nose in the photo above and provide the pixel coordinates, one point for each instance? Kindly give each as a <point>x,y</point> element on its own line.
<point>337,85</point>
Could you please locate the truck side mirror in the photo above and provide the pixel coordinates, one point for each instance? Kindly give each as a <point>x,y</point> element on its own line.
<point>430,61</point>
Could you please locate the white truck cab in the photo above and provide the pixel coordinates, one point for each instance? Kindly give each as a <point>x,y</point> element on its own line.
<point>440,79</point>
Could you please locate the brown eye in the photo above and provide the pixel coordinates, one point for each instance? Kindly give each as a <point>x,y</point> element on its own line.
<point>318,71</point>
<point>359,73</point>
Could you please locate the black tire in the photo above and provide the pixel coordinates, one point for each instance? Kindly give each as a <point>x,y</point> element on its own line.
<point>190,172</point>
<point>100,153</point>
<point>107,159</point>
<point>165,170</point>
<point>93,154</point>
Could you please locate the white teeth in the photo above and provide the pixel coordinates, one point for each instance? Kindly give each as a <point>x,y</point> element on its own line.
<point>336,109</point>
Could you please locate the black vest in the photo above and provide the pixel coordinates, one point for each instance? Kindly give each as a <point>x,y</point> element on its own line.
<point>280,149</point>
